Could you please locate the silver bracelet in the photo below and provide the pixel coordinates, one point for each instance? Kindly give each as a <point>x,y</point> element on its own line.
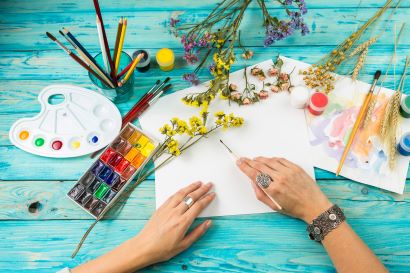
<point>325,223</point>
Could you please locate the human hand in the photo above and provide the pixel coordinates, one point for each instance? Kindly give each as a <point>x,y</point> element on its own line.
<point>165,234</point>
<point>295,191</point>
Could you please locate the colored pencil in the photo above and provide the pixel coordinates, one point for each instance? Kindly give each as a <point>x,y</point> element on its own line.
<point>359,120</point>
<point>107,48</point>
<point>117,40</point>
<point>120,45</point>
<point>103,52</point>
<point>131,70</point>
<point>102,76</point>
<point>124,71</point>
<point>75,57</point>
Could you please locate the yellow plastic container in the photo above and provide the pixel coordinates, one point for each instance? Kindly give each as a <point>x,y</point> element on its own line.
<point>165,59</point>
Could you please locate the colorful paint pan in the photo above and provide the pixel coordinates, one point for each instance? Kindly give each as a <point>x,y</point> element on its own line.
<point>97,190</point>
<point>73,121</point>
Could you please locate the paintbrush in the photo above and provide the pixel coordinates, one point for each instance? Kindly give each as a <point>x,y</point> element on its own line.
<point>359,120</point>
<point>85,55</point>
<point>75,57</point>
<point>237,157</point>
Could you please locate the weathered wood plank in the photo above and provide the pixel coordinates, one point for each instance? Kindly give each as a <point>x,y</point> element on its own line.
<point>15,164</point>
<point>27,6</point>
<point>54,65</point>
<point>48,201</point>
<point>148,28</point>
<point>275,243</point>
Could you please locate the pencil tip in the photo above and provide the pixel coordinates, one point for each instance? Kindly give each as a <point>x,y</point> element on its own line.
<point>167,79</point>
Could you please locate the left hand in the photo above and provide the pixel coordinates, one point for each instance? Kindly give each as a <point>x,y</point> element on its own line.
<point>165,234</point>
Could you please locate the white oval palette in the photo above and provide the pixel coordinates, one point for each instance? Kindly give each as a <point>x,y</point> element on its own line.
<point>73,121</point>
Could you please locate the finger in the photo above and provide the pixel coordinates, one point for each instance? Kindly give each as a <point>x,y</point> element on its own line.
<point>243,164</point>
<point>194,235</point>
<point>177,198</point>
<point>272,163</point>
<point>263,197</point>
<point>195,195</point>
<point>289,164</point>
<point>198,207</point>
<point>263,168</point>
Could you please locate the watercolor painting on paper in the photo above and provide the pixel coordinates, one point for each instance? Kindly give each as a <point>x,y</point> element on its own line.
<point>367,161</point>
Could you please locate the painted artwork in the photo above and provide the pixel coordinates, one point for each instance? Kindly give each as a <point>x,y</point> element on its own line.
<point>367,161</point>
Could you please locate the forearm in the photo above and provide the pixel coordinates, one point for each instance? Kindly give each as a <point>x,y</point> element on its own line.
<point>349,253</point>
<point>128,257</point>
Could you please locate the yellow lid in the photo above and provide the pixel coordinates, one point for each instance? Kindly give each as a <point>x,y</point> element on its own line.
<point>165,57</point>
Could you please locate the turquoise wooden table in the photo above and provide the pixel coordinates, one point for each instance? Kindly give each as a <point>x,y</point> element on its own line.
<point>40,227</point>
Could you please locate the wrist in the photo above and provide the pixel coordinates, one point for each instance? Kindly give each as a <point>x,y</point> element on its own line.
<point>139,254</point>
<point>315,209</point>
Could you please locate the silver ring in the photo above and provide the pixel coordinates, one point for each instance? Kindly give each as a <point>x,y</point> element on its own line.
<point>263,180</point>
<point>188,201</point>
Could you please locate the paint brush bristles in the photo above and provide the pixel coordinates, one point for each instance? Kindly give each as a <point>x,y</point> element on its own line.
<point>229,150</point>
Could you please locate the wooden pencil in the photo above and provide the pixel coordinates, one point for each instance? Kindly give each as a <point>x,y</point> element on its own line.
<point>75,57</point>
<point>117,40</point>
<point>124,71</point>
<point>101,40</point>
<point>120,45</point>
<point>131,70</point>
<point>358,121</point>
<point>107,48</point>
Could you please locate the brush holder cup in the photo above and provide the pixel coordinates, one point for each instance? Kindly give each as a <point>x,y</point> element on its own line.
<point>118,94</point>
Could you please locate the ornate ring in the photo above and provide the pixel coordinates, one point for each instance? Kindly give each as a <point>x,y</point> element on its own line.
<point>188,201</point>
<point>263,180</point>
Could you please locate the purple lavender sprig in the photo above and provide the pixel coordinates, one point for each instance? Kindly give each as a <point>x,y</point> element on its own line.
<point>191,78</point>
<point>277,30</point>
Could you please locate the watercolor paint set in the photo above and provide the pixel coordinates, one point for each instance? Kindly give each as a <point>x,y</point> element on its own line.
<point>97,190</point>
<point>73,121</point>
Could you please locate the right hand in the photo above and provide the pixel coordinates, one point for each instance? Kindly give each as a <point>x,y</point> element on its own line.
<point>292,188</point>
<point>166,233</point>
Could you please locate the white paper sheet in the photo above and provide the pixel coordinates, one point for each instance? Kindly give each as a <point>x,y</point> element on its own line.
<point>272,128</point>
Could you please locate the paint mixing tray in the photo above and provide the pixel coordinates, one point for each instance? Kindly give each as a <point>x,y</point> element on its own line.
<point>73,121</point>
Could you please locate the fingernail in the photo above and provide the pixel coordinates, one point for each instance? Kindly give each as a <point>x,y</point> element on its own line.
<point>197,183</point>
<point>208,223</point>
<point>239,161</point>
<point>209,185</point>
<point>212,194</point>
